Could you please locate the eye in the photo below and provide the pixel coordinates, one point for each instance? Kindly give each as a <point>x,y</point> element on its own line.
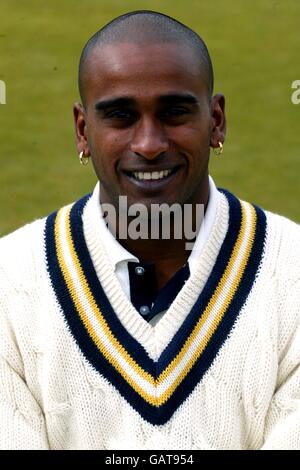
<point>177,110</point>
<point>120,118</point>
<point>121,114</point>
<point>175,113</point>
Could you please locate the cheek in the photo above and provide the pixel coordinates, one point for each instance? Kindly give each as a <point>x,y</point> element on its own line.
<point>193,135</point>
<point>102,150</point>
<point>107,142</point>
<point>194,143</point>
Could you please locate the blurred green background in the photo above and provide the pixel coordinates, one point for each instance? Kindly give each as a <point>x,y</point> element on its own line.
<point>255,47</point>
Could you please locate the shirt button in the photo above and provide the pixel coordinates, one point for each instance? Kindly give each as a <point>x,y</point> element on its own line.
<point>144,310</point>
<point>139,270</point>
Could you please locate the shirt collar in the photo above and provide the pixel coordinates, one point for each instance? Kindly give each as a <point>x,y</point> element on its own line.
<point>118,254</point>
<point>115,251</point>
<point>206,225</point>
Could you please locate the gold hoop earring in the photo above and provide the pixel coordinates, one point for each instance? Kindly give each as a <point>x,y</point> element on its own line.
<point>84,159</point>
<point>218,151</point>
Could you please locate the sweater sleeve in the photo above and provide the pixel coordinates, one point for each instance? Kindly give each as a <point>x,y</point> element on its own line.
<point>282,425</point>
<point>22,424</point>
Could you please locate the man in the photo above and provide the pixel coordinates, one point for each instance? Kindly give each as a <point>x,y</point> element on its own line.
<point>132,342</point>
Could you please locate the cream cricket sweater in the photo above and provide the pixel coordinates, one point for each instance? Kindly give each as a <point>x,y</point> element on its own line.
<point>81,369</point>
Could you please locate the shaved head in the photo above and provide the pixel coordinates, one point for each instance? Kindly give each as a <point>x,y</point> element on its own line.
<point>147,27</point>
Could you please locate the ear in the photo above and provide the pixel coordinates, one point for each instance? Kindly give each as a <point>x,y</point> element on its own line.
<point>218,130</point>
<point>80,129</point>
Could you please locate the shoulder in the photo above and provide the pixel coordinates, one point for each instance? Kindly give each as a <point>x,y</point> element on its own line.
<point>280,237</point>
<point>288,228</point>
<point>21,252</point>
<point>283,242</point>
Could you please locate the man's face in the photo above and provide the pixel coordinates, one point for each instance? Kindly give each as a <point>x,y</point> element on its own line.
<point>148,123</point>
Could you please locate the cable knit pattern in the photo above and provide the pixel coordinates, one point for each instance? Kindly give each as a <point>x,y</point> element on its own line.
<point>52,395</point>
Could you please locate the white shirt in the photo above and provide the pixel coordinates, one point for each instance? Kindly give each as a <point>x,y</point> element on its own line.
<point>119,256</point>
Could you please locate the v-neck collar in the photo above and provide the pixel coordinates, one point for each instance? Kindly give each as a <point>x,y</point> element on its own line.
<point>154,387</point>
<point>156,337</point>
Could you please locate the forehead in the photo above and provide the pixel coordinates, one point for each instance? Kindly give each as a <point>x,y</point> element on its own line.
<point>142,70</point>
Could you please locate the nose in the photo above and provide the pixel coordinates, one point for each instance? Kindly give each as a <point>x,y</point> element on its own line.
<point>149,139</point>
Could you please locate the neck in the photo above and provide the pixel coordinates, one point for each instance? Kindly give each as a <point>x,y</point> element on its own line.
<point>156,250</point>
<point>167,253</point>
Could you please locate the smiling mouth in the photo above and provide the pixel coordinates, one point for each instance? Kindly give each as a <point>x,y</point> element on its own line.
<point>152,175</point>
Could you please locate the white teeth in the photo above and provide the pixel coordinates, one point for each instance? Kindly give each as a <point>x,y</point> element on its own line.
<point>154,175</point>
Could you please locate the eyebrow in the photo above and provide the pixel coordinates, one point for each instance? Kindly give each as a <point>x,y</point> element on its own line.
<point>179,97</point>
<point>130,101</point>
<point>114,102</point>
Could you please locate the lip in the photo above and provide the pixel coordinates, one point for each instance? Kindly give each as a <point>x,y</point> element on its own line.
<point>152,185</point>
